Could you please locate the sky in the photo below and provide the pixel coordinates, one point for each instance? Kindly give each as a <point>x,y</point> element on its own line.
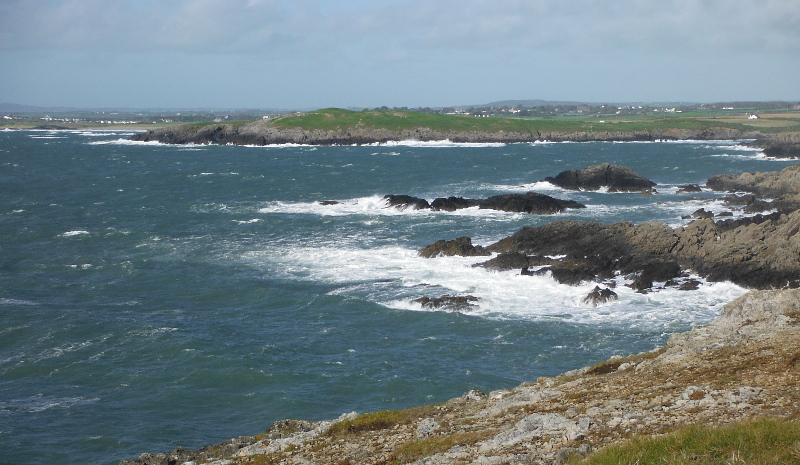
<point>305,54</point>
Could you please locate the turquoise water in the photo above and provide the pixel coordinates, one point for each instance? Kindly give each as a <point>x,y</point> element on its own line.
<point>157,296</point>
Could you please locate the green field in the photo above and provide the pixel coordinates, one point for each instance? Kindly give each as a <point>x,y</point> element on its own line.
<point>335,119</point>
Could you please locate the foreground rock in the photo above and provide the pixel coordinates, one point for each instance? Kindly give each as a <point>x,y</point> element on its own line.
<point>744,365</point>
<point>615,178</point>
<point>529,202</point>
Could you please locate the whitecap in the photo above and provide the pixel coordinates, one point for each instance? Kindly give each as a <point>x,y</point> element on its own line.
<point>77,232</point>
<point>394,277</point>
<point>435,144</point>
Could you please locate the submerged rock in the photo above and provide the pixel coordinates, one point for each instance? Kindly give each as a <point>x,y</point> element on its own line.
<point>448,302</point>
<point>616,178</point>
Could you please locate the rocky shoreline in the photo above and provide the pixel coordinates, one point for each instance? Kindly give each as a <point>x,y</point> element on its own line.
<point>743,365</point>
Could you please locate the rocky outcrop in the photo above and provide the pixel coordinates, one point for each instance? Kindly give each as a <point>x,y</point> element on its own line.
<point>743,365</point>
<point>781,145</point>
<point>530,202</point>
<point>615,178</point>
<point>783,187</point>
<point>265,133</point>
<point>761,252</point>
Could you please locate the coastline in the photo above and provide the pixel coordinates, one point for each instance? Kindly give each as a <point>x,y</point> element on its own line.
<point>577,412</point>
<point>741,366</point>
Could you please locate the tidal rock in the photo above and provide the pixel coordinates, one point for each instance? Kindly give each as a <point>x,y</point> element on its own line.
<point>530,202</point>
<point>451,204</point>
<point>461,246</point>
<point>693,188</point>
<point>616,178</point>
<point>599,296</point>
<point>406,201</point>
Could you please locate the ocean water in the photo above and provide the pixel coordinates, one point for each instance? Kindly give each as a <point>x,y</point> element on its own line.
<point>156,296</point>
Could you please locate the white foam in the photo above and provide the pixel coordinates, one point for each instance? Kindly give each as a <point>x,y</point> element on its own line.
<point>77,232</point>
<point>127,142</point>
<point>374,205</point>
<point>393,277</point>
<point>435,144</point>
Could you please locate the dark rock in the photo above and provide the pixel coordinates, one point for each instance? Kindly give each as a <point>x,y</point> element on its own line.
<point>448,302</point>
<point>642,284</point>
<point>530,202</point>
<point>572,276</point>
<point>702,213</point>
<point>689,285</point>
<point>461,246</point>
<point>329,202</point>
<point>406,201</point>
<point>616,178</point>
<point>453,203</point>
<point>721,214</point>
<point>689,188</point>
<point>505,262</point>
<point>599,296</point>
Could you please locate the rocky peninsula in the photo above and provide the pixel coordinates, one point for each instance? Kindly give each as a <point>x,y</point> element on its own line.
<point>263,133</point>
<point>342,127</point>
<point>743,365</point>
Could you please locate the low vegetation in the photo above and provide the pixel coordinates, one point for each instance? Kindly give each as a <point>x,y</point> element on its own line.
<point>749,442</point>
<point>383,419</point>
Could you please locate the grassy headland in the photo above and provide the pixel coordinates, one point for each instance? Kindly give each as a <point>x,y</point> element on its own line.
<point>332,119</point>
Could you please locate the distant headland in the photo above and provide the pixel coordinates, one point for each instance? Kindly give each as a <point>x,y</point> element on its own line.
<point>344,127</point>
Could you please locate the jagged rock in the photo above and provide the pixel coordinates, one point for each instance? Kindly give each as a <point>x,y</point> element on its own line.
<point>406,201</point>
<point>461,246</point>
<point>599,296</point>
<point>616,178</point>
<point>426,427</point>
<point>448,302</point>
<point>329,202</point>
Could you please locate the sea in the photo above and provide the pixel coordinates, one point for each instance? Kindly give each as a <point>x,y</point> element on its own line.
<point>159,296</point>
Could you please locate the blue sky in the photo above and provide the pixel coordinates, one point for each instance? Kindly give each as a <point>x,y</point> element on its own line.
<point>358,53</point>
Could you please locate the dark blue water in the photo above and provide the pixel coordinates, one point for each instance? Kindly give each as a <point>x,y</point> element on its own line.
<point>155,296</point>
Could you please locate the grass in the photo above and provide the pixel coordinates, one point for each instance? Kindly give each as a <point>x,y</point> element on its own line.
<point>748,443</point>
<point>384,419</point>
<point>331,119</point>
<point>420,448</point>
